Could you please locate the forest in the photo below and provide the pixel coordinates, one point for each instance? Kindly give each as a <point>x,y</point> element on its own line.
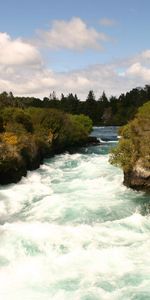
<point>102,111</point>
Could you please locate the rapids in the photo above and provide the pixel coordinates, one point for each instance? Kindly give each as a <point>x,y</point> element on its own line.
<point>71,231</point>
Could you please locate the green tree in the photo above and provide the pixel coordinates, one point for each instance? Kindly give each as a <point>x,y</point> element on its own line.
<point>134,145</point>
<point>91,97</point>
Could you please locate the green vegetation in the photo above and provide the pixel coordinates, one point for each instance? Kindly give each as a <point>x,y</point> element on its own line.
<point>134,145</point>
<point>28,135</point>
<point>32,129</point>
<point>102,111</point>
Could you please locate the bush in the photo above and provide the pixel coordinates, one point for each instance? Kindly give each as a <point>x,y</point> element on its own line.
<point>135,142</point>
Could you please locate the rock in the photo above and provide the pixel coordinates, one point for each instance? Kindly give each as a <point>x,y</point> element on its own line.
<point>93,140</point>
<point>138,178</point>
<point>12,171</point>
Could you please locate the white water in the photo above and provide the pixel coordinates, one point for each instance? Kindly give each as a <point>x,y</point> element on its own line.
<point>72,231</point>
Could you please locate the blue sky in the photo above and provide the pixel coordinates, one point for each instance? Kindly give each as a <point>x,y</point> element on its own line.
<point>90,42</point>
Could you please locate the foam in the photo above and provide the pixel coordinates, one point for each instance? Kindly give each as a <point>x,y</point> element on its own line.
<point>71,230</point>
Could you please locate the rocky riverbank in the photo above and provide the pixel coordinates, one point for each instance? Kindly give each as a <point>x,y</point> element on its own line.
<point>132,153</point>
<point>16,164</point>
<point>28,136</point>
<point>138,179</point>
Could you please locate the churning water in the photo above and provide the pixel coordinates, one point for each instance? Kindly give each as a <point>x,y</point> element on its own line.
<point>72,231</point>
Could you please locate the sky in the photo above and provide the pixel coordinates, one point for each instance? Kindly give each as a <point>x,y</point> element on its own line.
<point>74,46</point>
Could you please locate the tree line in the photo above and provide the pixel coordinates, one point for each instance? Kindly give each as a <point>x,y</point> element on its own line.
<point>103,111</point>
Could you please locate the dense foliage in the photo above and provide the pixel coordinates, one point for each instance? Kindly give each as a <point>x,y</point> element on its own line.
<point>102,111</point>
<point>30,134</point>
<point>134,145</point>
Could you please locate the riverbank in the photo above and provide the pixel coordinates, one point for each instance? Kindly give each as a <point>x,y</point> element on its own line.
<point>132,153</point>
<point>28,136</point>
<point>15,167</point>
<point>138,179</point>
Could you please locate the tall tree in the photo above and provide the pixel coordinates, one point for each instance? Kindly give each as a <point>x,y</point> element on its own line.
<point>91,96</point>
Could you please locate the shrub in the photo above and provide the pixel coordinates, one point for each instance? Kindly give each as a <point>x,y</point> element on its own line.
<point>135,142</point>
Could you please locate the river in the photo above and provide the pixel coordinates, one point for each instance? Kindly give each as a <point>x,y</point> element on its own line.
<point>72,231</point>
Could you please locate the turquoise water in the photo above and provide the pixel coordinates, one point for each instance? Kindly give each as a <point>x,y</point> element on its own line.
<point>72,231</point>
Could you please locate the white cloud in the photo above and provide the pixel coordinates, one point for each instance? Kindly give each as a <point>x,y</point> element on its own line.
<point>72,35</point>
<point>146,54</point>
<point>27,81</point>
<point>139,67</point>
<point>17,52</point>
<point>107,22</point>
<point>137,70</point>
<point>34,82</point>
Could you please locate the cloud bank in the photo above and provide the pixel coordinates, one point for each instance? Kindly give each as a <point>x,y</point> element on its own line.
<point>40,81</point>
